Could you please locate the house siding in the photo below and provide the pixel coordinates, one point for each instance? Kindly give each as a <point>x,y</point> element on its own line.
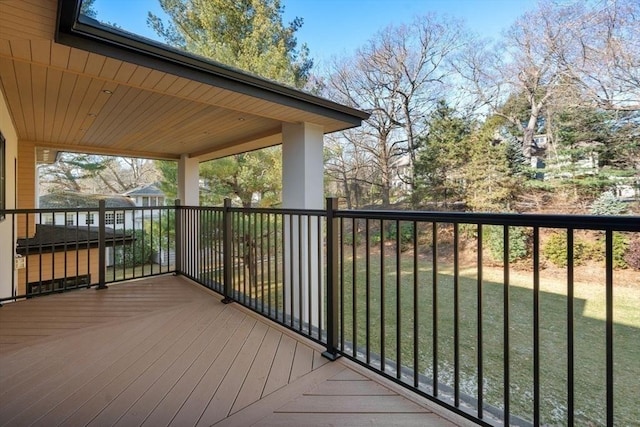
<point>50,266</point>
<point>7,244</point>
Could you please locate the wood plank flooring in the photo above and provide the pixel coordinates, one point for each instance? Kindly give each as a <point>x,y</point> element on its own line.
<point>163,351</point>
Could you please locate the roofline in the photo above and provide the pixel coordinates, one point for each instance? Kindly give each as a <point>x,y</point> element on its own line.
<point>91,36</point>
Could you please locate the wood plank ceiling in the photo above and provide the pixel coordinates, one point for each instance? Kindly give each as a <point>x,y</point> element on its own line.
<point>64,98</point>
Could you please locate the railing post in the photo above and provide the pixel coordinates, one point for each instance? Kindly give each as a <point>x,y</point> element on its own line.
<point>226,251</point>
<point>178,237</point>
<point>332,280</point>
<point>102,248</point>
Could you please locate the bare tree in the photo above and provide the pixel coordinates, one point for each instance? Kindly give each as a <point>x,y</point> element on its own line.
<point>606,60</point>
<point>398,76</point>
<point>562,52</point>
<point>91,173</point>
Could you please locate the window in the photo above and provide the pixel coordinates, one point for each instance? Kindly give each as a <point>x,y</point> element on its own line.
<point>120,218</point>
<point>48,286</point>
<point>145,201</point>
<point>109,218</point>
<point>3,176</point>
<point>70,219</point>
<point>46,218</point>
<point>90,219</point>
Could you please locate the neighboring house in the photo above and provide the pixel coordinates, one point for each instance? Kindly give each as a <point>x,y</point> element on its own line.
<point>114,218</point>
<point>82,220</point>
<point>146,196</point>
<point>401,174</point>
<point>62,256</point>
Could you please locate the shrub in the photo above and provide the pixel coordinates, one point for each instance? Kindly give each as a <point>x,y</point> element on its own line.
<point>620,246</point>
<point>405,232</point>
<point>518,242</point>
<point>555,250</point>
<point>607,204</point>
<point>632,257</point>
<point>135,253</point>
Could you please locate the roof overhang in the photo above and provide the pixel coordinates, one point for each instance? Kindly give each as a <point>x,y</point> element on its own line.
<point>73,84</point>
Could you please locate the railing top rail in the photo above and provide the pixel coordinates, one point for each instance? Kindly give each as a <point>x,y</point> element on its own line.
<point>593,222</point>
<point>84,209</point>
<point>281,211</point>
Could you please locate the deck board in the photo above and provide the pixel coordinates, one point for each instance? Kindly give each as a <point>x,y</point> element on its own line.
<point>164,351</point>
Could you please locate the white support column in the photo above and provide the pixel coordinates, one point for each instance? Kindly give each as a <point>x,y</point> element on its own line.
<point>189,195</point>
<point>302,166</point>
<point>302,188</point>
<point>188,181</point>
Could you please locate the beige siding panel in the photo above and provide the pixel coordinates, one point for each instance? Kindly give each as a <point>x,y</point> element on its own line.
<point>78,60</point>
<point>12,95</point>
<point>85,107</point>
<point>152,79</point>
<point>54,80</point>
<point>138,76</point>
<point>106,115</point>
<point>21,49</point>
<point>60,55</point>
<point>176,86</point>
<point>5,48</point>
<point>41,51</point>
<point>53,265</point>
<point>23,69</point>
<point>94,64</point>
<point>165,82</point>
<point>74,115</point>
<point>38,104</point>
<point>125,72</point>
<point>67,84</point>
<point>110,68</point>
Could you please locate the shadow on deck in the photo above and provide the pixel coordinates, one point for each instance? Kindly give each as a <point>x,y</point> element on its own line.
<point>164,351</point>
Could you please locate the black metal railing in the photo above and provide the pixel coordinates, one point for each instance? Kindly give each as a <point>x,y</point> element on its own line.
<point>501,318</point>
<point>470,311</point>
<point>271,261</point>
<point>65,249</point>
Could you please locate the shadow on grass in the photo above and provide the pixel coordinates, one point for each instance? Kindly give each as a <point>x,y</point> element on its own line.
<point>425,340</point>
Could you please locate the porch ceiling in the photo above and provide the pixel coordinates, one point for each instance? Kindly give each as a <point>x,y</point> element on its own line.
<point>98,98</point>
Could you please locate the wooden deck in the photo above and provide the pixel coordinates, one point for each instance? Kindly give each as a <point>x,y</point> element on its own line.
<point>164,351</point>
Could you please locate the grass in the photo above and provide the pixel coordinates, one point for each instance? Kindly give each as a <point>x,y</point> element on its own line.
<point>589,330</point>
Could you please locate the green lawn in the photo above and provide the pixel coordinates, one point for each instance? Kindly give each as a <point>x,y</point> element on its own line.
<point>589,328</point>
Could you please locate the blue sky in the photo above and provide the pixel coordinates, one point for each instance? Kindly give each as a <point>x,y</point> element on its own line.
<point>337,27</point>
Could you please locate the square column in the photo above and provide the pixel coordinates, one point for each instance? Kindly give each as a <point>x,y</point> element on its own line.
<point>302,166</point>
<point>188,181</point>
<point>302,188</point>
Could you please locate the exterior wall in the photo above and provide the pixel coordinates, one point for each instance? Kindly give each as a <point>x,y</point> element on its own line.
<point>7,244</point>
<point>26,185</point>
<point>52,266</point>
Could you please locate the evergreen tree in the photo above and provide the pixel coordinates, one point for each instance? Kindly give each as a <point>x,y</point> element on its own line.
<point>249,35</point>
<point>442,156</point>
<point>246,34</point>
<point>493,173</point>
